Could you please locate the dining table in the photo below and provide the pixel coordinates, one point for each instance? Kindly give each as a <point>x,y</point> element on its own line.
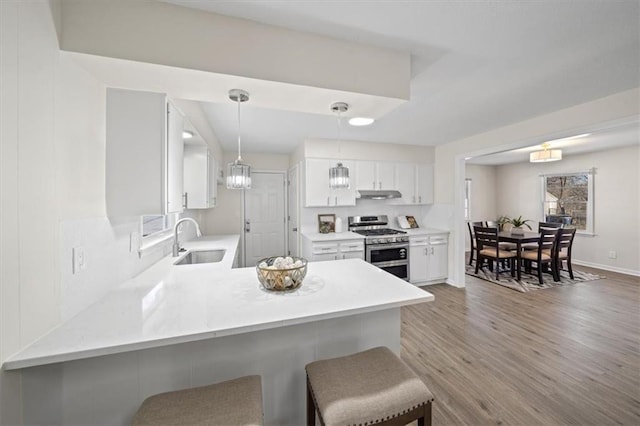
<point>518,240</point>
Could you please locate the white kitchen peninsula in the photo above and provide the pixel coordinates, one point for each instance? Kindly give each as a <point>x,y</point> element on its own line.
<point>174,327</point>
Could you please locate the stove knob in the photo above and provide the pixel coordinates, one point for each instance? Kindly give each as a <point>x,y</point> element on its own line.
<point>375,241</point>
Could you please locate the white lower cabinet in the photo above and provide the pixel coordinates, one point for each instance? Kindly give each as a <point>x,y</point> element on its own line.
<point>428,258</point>
<point>333,250</point>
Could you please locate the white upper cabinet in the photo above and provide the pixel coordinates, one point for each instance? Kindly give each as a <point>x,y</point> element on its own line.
<point>374,175</point>
<point>415,183</point>
<point>424,183</point>
<point>144,154</point>
<point>317,191</point>
<point>200,184</point>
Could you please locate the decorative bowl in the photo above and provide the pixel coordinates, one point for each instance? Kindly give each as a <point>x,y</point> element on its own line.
<point>281,273</point>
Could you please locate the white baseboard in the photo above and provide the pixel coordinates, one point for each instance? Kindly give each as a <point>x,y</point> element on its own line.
<point>607,267</point>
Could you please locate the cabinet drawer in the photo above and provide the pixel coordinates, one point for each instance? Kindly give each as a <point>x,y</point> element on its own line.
<point>352,246</point>
<point>324,248</point>
<point>438,239</point>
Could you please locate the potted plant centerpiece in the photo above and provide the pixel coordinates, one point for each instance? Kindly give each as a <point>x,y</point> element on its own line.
<point>517,222</point>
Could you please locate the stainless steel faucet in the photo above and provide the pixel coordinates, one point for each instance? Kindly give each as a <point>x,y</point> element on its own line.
<point>176,244</point>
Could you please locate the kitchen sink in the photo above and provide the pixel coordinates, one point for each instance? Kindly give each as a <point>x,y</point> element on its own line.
<point>201,256</point>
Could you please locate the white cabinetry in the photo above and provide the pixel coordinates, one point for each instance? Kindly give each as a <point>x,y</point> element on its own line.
<point>317,191</point>
<point>144,154</point>
<point>415,183</point>
<point>200,188</point>
<point>428,258</point>
<point>375,175</point>
<point>333,250</point>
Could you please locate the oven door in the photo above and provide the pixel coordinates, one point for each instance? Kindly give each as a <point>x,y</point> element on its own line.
<point>399,269</point>
<point>377,253</point>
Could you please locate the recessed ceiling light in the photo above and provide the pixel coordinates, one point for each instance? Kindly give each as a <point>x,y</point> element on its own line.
<point>186,134</point>
<point>360,121</point>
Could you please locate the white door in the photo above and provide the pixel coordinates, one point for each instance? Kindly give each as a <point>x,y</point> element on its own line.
<point>292,213</point>
<point>264,214</point>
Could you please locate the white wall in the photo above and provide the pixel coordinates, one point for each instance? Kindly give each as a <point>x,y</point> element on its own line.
<point>52,189</point>
<point>616,187</point>
<point>483,194</point>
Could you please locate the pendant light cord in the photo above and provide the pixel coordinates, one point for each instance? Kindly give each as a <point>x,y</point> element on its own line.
<point>239,156</point>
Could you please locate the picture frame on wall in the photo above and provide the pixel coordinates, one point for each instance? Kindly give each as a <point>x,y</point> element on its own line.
<point>326,223</point>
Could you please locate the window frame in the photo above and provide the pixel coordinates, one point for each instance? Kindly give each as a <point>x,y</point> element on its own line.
<point>590,205</point>
<point>155,238</point>
<point>467,199</point>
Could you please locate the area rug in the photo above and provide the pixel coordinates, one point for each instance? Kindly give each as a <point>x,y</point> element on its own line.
<point>529,282</point>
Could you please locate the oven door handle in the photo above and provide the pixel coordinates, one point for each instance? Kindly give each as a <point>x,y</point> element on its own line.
<point>391,263</point>
<point>387,246</point>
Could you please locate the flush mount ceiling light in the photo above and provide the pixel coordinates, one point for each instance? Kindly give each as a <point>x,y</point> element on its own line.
<point>361,121</point>
<point>339,175</point>
<point>238,173</point>
<point>187,134</point>
<point>546,155</point>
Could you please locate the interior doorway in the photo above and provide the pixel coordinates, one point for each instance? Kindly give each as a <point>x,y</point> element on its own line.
<point>264,217</point>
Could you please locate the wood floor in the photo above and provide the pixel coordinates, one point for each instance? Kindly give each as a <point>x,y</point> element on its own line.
<point>491,355</point>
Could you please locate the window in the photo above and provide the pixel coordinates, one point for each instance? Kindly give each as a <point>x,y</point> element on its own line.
<point>155,224</point>
<point>568,198</point>
<point>467,199</point>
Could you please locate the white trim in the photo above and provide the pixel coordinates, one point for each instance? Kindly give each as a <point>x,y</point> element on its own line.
<point>154,241</point>
<point>607,267</point>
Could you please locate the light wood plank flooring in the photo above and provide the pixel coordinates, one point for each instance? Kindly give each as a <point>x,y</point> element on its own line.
<point>491,355</point>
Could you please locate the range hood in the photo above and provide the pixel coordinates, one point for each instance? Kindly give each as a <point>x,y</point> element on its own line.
<point>382,194</point>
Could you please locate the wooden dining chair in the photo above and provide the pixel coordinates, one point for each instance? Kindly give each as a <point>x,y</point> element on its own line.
<point>563,249</point>
<point>472,244</point>
<point>488,247</point>
<point>543,256</point>
<point>541,226</point>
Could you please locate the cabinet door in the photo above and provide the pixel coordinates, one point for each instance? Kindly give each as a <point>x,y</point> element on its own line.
<point>195,176</point>
<point>418,263</point>
<point>343,197</point>
<point>438,265</point>
<point>212,181</point>
<point>438,257</point>
<point>324,251</point>
<point>175,160</point>
<point>405,182</point>
<point>352,250</point>
<point>317,193</point>
<point>365,175</point>
<point>386,176</point>
<point>424,184</point>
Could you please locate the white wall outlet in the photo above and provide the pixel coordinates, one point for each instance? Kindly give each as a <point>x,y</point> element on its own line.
<point>79,262</point>
<point>613,254</point>
<point>134,242</point>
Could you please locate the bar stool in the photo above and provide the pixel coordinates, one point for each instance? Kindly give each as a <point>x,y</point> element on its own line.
<point>234,402</point>
<point>367,388</point>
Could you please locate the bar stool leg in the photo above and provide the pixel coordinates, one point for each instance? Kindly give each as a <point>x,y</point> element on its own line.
<point>311,407</point>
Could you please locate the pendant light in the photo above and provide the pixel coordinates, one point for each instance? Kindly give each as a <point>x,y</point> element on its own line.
<point>339,175</point>
<point>238,173</point>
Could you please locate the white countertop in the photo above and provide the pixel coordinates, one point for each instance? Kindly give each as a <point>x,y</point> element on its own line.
<point>332,236</point>
<point>169,304</point>
<point>423,231</point>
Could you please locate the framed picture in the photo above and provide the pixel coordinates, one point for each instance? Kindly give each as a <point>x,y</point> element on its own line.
<point>326,223</point>
<point>412,222</point>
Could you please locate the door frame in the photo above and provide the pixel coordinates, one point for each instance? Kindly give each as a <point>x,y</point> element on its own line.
<point>243,238</point>
<point>297,168</point>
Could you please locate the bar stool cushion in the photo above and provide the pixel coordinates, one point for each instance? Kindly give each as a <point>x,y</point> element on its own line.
<point>365,388</point>
<point>234,402</point>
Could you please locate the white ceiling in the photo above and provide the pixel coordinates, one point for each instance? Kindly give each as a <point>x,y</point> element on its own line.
<point>476,65</point>
<point>618,136</point>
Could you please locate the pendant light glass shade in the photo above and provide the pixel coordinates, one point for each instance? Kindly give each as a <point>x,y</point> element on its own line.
<point>546,155</point>
<point>339,175</point>
<point>238,173</point>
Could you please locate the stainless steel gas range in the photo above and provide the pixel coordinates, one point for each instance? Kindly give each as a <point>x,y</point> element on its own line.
<point>386,248</point>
